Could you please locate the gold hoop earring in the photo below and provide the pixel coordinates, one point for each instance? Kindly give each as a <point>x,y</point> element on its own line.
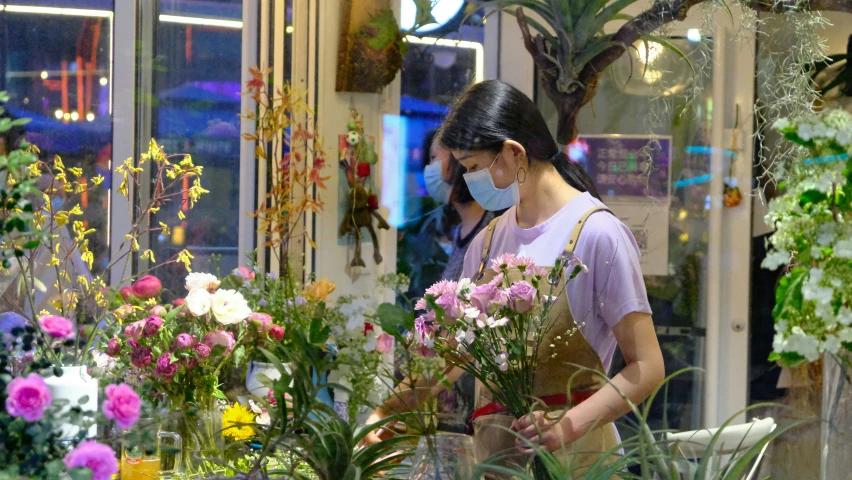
<point>524,171</point>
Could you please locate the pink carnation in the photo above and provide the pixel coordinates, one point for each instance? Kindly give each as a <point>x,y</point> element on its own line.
<point>57,327</point>
<point>421,304</point>
<point>122,405</point>
<point>27,397</point>
<point>521,263</point>
<point>220,337</point>
<point>522,297</point>
<point>97,457</point>
<point>504,261</point>
<point>135,329</point>
<point>535,271</point>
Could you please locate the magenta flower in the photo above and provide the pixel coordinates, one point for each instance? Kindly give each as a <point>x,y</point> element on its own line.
<point>153,324</point>
<point>147,287</point>
<point>183,340</point>
<point>220,337</point>
<point>113,347</point>
<point>125,292</point>
<point>157,310</point>
<point>202,350</point>
<point>276,332</point>
<point>165,367</point>
<point>385,344</point>
<point>141,357</point>
<point>57,327</point>
<point>135,329</point>
<point>27,397</point>
<point>244,273</point>
<point>522,297</point>
<point>97,457</point>
<point>263,321</point>
<point>122,405</point>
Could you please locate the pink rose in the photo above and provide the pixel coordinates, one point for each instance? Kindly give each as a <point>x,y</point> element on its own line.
<point>153,324</point>
<point>219,337</point>
<point>157,310</point>
<point>122,405</point>
<point>57,327</point>
<point>123,311</point>
<point>113,347</point>
<point>276,333</point>
<point>482,297</point>
<point>522,296</point>
<point>97,457</point>
<point>263,321</point>
<point>126,293</point>
<point>183,340</point>
<point>202,350</point>
<point>147,287</point>
<point>244,273</point>
<point>141,357</point>
<point>27,397</point>
<point>385,344</point>
<point>165,367</point>
<point>135,329</point>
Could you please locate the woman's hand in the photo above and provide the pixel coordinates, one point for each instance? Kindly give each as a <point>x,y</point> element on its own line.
<point>379,434</point>
<point>556,431</point>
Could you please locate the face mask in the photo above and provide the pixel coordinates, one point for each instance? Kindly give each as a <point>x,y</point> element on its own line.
<point>437,187</point>
<point>491,198</point>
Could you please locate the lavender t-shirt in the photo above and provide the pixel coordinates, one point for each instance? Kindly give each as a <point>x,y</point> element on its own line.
<point>600,299</point>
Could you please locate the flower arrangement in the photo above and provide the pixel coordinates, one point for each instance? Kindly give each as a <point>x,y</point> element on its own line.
<point>813,241</point>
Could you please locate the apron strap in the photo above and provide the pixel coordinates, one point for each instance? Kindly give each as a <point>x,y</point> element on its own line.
<point>568,251</point>
<point>486,247</point>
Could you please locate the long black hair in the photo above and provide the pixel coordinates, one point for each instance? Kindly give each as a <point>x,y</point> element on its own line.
<point>487,114</point>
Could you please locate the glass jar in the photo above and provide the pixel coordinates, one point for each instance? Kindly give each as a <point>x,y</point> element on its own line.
<point>445,456</point>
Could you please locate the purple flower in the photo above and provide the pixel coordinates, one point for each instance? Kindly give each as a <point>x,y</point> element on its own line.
<point>27,397</point>
<point>141,357</point>
<point>113,347</point>
<point>165,367</point>
<point>122,405</point>
<point>272,276</point>
<point>202,350</point>
<point>147,287</point>
<point>10,321</point>
<point>482,297</point>
<point>451,305</point>
<point>262,302</point>
<point>97,457</point>
<point>135,329</point>
<point>57,327</point>
<point>183,340</point>
<point>522,297</point>
<point>220,337</point>
<point>153,324</point>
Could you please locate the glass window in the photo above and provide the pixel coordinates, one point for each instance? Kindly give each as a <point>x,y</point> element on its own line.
<point>56,60</point>
<point>196,91</point>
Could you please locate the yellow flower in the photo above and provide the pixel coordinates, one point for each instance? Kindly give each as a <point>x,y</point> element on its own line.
<point>319,289</point>
<point>236,422</point>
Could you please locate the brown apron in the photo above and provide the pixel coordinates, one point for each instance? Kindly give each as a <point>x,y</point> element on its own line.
<point>552,376</point>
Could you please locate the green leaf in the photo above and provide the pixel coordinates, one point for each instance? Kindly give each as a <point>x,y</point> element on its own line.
<point>80,474</point>
<point>391,317</point>
<point>789,292</point>
<point>319,332</point>
<point>83,400</point>
<point>812,196</point>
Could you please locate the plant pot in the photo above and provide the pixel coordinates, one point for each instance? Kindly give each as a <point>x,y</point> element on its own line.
<point>253,379</point>
<point>836,416</point>
<point>75,384</point>
<point>445,456</point>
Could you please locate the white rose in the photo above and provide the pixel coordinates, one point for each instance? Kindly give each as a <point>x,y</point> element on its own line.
<point>204,281</point>
<point>229,307</point>
<point>198,302</point>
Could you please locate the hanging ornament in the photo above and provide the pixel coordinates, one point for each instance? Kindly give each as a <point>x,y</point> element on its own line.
<point>353,138</point>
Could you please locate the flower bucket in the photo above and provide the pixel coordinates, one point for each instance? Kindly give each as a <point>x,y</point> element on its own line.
<point>75,384</point>
<point>253,383</point>
<point>443,456</point>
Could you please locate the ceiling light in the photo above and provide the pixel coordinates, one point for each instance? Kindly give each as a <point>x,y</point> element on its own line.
<point>209,22</point>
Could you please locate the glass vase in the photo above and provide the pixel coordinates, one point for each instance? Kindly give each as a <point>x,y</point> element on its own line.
<point>445,456</point>
<point>836,416</point>
<point>203,443</point>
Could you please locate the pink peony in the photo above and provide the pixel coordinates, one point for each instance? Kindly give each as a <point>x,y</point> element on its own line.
<point>123,311</point>
<point>263,321</point>
<point>135,329</point>
<point>165,367</point>
<point>157,310</point>
<point>219,337</point>
<point>153,324</point>
<point>113,347</point>
<point>57,327</point>
<point>141,357</point>
<point>178,302</point>
<point>244,273</point>
<point>482,297</point>
<point>147,287</point>
<point>202,350</point>
<point>27,397</point>
<point>385,343</point>
<point>126,293</point>
<point>190,363</point>
<point>183,340</point>
<point>97,457</point>
<point>522,297</point>
<point>276,332</point>
<point>122,405</point>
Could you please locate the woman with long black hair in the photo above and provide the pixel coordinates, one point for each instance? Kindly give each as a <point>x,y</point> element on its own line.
<point>500,137</point>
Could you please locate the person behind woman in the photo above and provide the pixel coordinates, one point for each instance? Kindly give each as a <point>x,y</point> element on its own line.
<point>512,161</point>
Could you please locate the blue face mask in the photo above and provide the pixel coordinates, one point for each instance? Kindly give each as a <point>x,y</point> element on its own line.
<point>491,198</point>
<point>437,187</point>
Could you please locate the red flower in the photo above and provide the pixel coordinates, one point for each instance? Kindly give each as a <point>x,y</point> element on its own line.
<point>373,202</point>
<point>363,170</point>
<point>368,327</point>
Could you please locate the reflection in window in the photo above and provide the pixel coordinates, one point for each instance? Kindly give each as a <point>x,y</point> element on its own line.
<point>56,67</point>
<point>195,111</point>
